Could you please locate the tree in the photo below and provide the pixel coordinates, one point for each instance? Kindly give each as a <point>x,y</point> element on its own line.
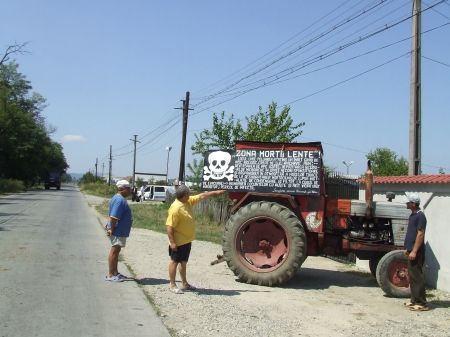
<point>264,126</point>
<point>196,169</point>
<point>221,136</point>
<point>267,126</point>
<point>386,163</point>
<point>87,178</point>
<point>13,49</point>
<point>26,149</point>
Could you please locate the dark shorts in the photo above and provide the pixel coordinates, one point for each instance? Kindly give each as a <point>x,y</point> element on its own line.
<point>181,254</point>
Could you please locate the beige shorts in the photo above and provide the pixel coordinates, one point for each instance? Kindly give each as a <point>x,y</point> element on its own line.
<point>118,240</point>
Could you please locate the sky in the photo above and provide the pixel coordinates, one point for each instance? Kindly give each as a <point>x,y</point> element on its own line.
<point>114,69</point>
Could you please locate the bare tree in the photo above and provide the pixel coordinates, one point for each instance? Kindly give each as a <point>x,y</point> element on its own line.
<point>16,48</point>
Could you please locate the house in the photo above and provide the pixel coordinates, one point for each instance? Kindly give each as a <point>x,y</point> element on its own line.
<point>434,192</point>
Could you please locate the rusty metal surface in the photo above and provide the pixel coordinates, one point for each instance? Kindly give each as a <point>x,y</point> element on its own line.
<point>262,244</point>
<point>373,247</point>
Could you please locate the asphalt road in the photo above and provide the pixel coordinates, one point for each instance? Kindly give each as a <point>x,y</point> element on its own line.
<point>53,256</point>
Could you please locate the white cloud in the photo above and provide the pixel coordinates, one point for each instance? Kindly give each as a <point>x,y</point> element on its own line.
<point>73,139</point>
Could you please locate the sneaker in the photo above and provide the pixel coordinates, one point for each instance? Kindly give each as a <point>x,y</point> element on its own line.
<point>114,278</point>
<point>123,277</point>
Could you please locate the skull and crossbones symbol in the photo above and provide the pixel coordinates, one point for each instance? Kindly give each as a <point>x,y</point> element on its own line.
<point>218,166</point>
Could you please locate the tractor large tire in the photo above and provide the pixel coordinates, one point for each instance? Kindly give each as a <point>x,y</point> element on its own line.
<point>264,243</point>
<point>392,274</point>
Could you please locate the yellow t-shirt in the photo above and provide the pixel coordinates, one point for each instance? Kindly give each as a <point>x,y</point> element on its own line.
<point>180,217</point>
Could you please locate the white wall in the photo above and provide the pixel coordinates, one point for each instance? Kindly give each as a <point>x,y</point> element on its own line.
<point>435,203</point>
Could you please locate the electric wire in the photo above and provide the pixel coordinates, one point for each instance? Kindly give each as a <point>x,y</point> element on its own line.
<point>291,52</point>
<point>348,79</point>
<point>331,52</point>
<point>336,34</point>
<point>334,10</point>
<point>436,61</point>
<point>280,78</point>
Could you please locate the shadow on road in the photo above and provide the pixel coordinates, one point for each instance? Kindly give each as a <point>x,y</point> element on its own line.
<point>224,292</point>
<point>309,278</point>
<point>438,304</point>
<point>148,281</point>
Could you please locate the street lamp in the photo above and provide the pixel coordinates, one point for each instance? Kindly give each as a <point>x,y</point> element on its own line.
<point>348,164</point>
<point>168,148</point>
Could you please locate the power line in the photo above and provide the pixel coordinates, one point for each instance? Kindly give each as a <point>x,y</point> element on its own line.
<point>340,6</point>
<point>317,59</point>
<point>280,78</point>
<point>436,61</point>
<point>293,51</point>
<point>348,79</point>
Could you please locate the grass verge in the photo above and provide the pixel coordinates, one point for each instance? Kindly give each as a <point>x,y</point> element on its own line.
<point>153,216</point>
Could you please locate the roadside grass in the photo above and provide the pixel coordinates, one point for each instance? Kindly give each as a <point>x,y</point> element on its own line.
<point>99,189</point>
<point>153,216</point>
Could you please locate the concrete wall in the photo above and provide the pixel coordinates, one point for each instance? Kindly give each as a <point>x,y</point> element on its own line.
<point>435,203</point>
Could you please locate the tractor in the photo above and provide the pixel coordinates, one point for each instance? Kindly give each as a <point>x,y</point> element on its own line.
<point>286,207</point>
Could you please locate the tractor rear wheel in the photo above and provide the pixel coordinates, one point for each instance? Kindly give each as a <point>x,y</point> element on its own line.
<point>392,274</point>
<point>264,243</point>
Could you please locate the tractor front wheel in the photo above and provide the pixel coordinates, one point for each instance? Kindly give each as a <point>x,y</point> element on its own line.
<point>264,243</point>
<point>392,274</point>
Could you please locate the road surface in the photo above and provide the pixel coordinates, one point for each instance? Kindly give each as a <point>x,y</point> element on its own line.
<point>53,256</point>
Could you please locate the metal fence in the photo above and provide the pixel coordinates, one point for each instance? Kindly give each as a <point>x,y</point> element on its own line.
<point>339,186</point>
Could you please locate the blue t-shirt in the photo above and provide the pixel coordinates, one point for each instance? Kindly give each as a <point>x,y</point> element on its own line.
<point>118,208</point>
<point>417,221</point>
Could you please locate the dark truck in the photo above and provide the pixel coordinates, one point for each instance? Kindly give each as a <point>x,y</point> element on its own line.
<point>52,179</point>
<point>286,208</point>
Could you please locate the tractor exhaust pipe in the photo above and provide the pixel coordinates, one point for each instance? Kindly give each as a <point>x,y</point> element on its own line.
<point>369,191</point>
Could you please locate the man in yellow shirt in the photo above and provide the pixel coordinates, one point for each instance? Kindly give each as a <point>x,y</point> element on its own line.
<point>181,232</point>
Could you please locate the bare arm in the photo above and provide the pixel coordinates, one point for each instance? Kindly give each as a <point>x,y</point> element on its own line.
<point>113,223</point>
<point>419,241</point>
<point>172,243</point>
<point>208,194</point>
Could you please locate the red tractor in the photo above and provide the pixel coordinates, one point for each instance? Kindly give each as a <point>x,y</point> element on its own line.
<point>286,208</point>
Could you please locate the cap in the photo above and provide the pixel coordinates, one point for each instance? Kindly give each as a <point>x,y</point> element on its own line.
<point>413,197</point>
<point>122,184</point>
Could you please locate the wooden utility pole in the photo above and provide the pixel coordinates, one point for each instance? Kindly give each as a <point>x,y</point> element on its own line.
<point>110,165</point>
<point>415,120</point>
<point>96,164</point>
<point>183,139</point>
<point>133,180</point>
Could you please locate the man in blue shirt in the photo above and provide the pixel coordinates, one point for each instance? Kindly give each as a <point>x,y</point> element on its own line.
<point>118,228</point>
<point>415,250</point>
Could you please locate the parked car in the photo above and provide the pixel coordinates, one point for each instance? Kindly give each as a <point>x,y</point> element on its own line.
<point>154,192</point>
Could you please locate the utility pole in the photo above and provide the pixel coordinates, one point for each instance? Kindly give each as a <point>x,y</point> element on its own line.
<point>415,128</point>
<point>103,170</point>
<point>96,163</point>
<point>110,165</point>
<point>183,139</point>
<point>133,180</point>
<point>168,148</point>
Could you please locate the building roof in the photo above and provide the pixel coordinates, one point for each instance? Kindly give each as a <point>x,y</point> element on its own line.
<point>419,179</point>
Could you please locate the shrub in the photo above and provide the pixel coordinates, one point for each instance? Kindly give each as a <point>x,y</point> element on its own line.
<point>11,185</point>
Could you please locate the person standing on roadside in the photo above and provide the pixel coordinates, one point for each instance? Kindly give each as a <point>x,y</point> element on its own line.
<point>181,232</point>
<point>118,228</point>
<point>415,251</point>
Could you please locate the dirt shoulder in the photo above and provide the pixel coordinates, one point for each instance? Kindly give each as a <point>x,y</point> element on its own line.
<point>325,298</point>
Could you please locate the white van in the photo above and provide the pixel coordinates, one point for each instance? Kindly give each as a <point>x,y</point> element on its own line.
<point>155,192</point>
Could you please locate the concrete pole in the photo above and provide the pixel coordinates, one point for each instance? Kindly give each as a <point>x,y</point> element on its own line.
<point>415,119</point>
